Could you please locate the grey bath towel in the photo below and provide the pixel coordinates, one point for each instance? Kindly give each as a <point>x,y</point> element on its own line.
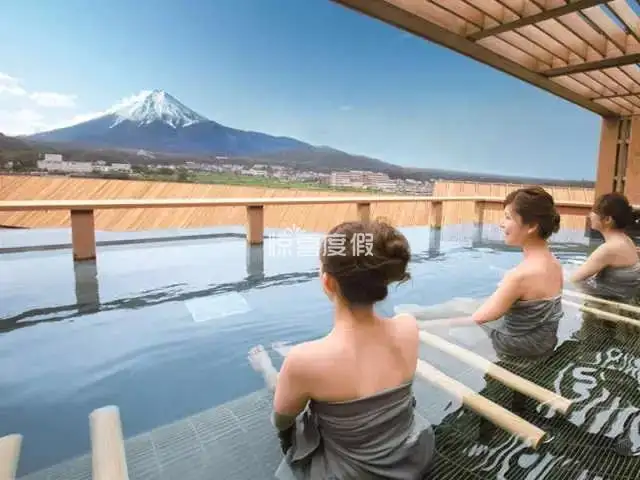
<point>528,329</point>
<point>614,283</point>
<point>376,437</point>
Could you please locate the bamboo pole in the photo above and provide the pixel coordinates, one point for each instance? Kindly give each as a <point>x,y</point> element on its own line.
<point>602,314</point>
<point>496,414</point>
<point>9,456</point>
<point>621,306</point>
<point>504,376</point>
<point>107,445</point>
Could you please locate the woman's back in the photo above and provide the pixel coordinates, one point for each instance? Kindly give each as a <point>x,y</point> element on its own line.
<point>354,386</point>
<point>356,361</point>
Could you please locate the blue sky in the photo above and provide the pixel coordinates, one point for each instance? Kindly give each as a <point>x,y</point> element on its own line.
<point>309,69</point>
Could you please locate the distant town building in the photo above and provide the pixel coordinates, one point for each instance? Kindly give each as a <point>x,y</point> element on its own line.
<point>53,162</point>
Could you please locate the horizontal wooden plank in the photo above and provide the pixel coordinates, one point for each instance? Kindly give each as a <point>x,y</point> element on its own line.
<point>30,205</point>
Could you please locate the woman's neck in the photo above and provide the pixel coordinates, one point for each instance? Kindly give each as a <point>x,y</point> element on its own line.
<point>610,233</point>
<point>347,317</point>
<point>535,247</point>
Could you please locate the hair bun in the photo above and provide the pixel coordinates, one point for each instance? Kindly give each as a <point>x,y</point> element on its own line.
<point>556,222</point>
<point>364,274</point>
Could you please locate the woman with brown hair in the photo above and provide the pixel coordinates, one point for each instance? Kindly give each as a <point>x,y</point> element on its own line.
<point>346,399</point>
<point>521,317</point>
<point>612,271</point>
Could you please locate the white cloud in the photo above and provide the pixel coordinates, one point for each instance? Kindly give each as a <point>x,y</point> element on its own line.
<point>10,85</point>
<point>21,110</point>
<point>23,121</point>
<point>82,117</point>
<point>54,100</point>
<point>346,108</point>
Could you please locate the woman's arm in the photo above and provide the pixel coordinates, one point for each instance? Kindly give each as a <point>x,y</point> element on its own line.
<point>291,392</point>
<point>507,293</point>
<point>598,260</point>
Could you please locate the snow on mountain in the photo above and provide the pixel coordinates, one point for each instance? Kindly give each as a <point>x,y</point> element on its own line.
<point>158,122</point>
<point>154,105</point>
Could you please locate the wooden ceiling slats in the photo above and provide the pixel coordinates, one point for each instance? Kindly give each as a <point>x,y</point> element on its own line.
<point>586,51</point>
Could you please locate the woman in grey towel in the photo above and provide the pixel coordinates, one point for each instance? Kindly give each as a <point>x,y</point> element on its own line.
<point>522,316</point>
<point>612,271</point>
<point>343,404</point>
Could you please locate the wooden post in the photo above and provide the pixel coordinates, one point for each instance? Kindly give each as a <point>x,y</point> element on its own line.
<point>255,224</point>
<point>107,445</point>
<point>83,235</point>
<point>364,212</point>
<point>632,174</point>
<point>9,456</point>
<point>479,212</point>
<point>607,155</point>
<point>435,214</point>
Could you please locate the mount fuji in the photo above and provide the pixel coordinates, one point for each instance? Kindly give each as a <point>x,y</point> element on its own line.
<point>156,121</point>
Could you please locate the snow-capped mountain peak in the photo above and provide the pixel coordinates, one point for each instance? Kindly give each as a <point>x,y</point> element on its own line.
<point>151,106</point>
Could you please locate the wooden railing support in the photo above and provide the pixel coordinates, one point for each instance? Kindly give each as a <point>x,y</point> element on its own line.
<point>364,212</point>
<point>255,224</point>
<point>108,457</point>
<point>83,235</point>
<point>83,226</point>
<point>435,214</point>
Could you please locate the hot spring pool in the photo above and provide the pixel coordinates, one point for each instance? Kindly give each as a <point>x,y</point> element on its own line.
<point>161,328</point>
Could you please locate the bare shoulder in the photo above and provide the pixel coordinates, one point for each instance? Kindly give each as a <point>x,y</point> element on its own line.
<point>519,273</point>
<point>302,358</point>
<point>406,327</point>
<point>605,249</point>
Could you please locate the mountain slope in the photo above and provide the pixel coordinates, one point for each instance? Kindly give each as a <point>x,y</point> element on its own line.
<point>12,143</point>
<point>156,121</point>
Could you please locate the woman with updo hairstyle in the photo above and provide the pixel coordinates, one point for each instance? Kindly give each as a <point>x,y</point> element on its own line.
<point>343,404</point>
<point>522,316</point>
<point>612,271</point>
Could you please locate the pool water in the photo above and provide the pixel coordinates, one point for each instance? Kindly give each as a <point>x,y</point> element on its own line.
<point>161,328</point>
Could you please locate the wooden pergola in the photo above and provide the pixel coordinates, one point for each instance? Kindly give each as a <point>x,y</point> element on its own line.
<point>585,51</point>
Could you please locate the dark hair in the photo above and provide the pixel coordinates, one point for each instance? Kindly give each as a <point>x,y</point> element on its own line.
<point>364,258</point>
<point>536,206</point>
<point>616,206</point>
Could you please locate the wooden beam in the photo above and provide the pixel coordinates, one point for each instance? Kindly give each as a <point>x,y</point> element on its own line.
<point>129,203</point>
<point>594,65</point>
<point>390,12</point>
<point>535,18</point>
<point>635,91</point>
<point>626,16</point>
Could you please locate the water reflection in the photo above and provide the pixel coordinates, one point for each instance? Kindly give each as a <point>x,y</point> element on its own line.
<point>87,289</point>
<point>255,261</point>
<point>87,286</point>
<point>435,237</point>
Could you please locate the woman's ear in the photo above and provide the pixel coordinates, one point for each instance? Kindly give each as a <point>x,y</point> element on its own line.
<point>328,284</point>
<point>608,221</point>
